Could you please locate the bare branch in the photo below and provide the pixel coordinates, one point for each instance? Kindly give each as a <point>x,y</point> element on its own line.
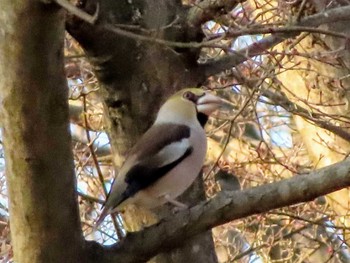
<point>225,207</point>
<point>90,198</point>
<point>230,61</point>
<point>208,9</point>
<point>336,14</point>
<point>285,30</point>
<point>91,19</point>
<point>258,48</point>
<point>316,118</point>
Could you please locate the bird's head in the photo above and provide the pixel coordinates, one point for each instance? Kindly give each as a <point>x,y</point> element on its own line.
<point>187,105</point>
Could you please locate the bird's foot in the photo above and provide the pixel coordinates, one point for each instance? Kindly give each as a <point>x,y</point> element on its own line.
<point>178,205</point>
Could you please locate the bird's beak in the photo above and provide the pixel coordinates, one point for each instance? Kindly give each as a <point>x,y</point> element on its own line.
<point>208,103</point>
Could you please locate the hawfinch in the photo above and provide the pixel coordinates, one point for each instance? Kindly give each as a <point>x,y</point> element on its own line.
<point>168,157</point>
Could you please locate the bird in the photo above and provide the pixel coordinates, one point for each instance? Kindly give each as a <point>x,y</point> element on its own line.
<point>227,181</point>
<point>168,157</point>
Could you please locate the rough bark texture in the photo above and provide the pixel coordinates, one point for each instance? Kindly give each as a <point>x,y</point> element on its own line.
<point>45,225</point>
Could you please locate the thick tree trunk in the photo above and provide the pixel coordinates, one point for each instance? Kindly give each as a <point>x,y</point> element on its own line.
<point>45,225</point>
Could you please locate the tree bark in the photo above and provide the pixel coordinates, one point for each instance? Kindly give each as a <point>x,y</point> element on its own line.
<point>45,224</point>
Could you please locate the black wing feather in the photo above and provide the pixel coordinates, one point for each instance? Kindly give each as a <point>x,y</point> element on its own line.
<point>141,177</point>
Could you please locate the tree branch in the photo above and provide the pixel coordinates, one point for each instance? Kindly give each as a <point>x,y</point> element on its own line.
<point>279,98</point>
<point>91,19</point>
<point>259,47</point>
<point>225,207</point>
<point>316,118</point>
<point>207,10</point>
<point>216,66</point>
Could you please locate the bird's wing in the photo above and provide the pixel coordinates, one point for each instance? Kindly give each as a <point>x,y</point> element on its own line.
<point>159,136</point>
<point>143,175</point>
<point>159,150</point>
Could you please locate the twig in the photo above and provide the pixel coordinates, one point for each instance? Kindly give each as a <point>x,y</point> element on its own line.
<point>300,11</point>
<point>97,166</point>
<point>284,30</point>
<point>91,19</point>
<point>229,134</point>
<point>91,147</point>
<point>90,198</point>
<point>333,15</point>
<point>208,9</point>
<point>160,41</point>
<point>315,118</point>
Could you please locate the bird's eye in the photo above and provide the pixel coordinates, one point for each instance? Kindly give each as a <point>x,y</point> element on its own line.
<point>190,96</point>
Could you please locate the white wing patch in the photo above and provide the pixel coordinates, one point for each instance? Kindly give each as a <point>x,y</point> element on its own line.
<point>171,153</point>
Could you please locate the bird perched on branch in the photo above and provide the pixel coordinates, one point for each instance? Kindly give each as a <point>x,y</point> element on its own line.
<point>168,157</point>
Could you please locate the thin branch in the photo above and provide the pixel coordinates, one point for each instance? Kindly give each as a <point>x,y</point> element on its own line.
<point>122,32</point>
<point>315,118</point>
<point>97,165</point>
<point>160,41</point>
<point>216,66</point>
<point>258,48</point>
<point>319,221</point>
<point>209,9</point>
<point>90,198</point>
<point>91,147</point>
<point>244,106</point>
<point>91,19</point>
<point>286,32</point>
<point>283,30</point>
<point>278,98</point>
<point>276,240</point>
<point>301,9</point>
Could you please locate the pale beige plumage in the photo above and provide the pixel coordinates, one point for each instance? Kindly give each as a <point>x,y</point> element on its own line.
<point>168,157</point>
